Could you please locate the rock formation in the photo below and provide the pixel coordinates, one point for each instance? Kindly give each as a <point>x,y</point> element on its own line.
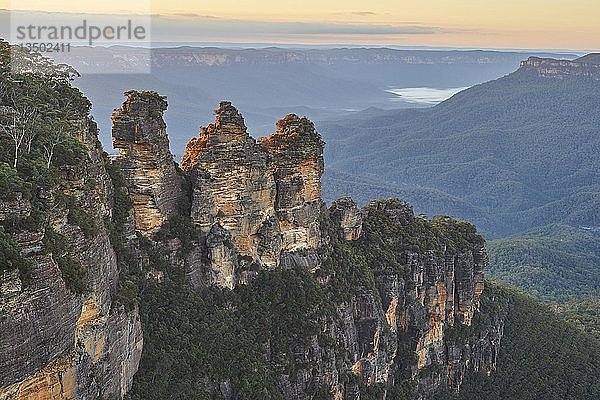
<point>57,344</point>
<point>587,67</point>
<point>345,213</point>
<point>253,206</point>
<point>232,182</point>
<point>140,134</point>
<point>297,151</point>
<point>267,195</point>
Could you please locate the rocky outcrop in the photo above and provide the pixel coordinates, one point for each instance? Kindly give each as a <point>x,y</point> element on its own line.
<point>232,181</point>
<point>415,324</point>
<point>586,67</point>
<point>436,296</point>
<point>412,311</point>
<point>48,304</point>
<point>297,151</point>
<point>140,134</point>
<point>267,196</point>
<point>16,207</point>
<point>345,213</point>
<point>222,257</point>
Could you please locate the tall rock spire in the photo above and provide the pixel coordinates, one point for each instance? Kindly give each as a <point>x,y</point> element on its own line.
<point>297,151</point>
<point>232,181</point>
<point>140,134</point>
<point>266,196</point>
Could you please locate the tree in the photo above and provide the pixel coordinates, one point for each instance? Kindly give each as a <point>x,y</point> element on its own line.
<point>9,128</point>
<point>59,135</point>
<point>18,127</point>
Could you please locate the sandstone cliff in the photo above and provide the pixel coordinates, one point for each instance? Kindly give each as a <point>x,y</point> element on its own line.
<point>586,67</point>
<point>266,197</point>
<point>413,322</point>
<point>140,134</point>
<point>297,151</point>
<point>58,342</point>
<point>232,181</point>
<point>342,301</point>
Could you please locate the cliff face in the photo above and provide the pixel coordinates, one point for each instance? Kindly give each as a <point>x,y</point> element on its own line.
<point>587,67</point>
<point>437,293</point>
<point>140,134</point>
<point>373,299</point>
<point>58,343</point>
<point>345,213</point>
<point>416,322</point>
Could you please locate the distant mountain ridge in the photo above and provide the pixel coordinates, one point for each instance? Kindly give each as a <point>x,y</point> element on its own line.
<point>127,57</point>
<point>273,55</point>
<point>587,66</point>
<point>519,152</point>
<point>592,58</point>
<point>269,82</point>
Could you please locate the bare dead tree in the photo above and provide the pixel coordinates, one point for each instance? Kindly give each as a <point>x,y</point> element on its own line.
<point>25,118</point>
<point>27,114</point>
<point>31,132</point>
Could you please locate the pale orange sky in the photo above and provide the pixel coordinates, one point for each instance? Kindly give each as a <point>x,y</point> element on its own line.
<point>549,24</point>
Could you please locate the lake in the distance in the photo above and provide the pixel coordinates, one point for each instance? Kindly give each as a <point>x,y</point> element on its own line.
<point>424,95</point>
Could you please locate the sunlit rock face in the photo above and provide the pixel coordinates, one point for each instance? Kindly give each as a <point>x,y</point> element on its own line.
<point>267,195</point>
<point>297,151</point>
<point>585,67</point>
<point>140,135</point>
<point>232,182</point>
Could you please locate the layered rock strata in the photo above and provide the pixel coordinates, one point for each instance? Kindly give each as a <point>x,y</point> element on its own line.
<point>587,67</point>
<point>257,205</point>
<point>348,216</point>
<point>140,134</point>
<point>414,324</point>
<point>267,196</point>
<point>297,151</point>
<point>232,181</point>
<point>57,344</point>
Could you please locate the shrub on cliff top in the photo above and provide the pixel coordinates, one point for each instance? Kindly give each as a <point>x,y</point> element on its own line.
<point>11,184</point>
<point>11,257</point>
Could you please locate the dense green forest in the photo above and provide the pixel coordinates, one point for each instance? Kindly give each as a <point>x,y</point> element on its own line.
<point>554,263</point>
<point>541,356</point>
<point>582,313</point>
<point>227,332</point>
<point>557,264</point>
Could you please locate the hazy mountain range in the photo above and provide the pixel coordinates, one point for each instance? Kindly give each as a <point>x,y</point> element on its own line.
<point>271,82</point>
<point>511,154</point>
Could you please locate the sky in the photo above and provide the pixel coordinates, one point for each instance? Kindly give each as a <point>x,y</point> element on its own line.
<point>511,24</point>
